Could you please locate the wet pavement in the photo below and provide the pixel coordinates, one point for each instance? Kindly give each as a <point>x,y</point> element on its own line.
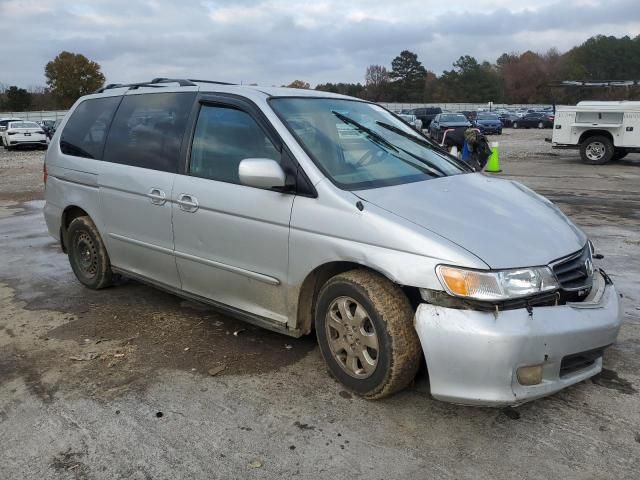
<point>130,382</point>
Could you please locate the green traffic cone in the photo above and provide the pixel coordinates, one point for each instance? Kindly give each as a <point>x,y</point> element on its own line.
<point>493,165</point>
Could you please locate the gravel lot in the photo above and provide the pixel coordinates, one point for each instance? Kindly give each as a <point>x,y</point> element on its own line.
<point>116,383</point>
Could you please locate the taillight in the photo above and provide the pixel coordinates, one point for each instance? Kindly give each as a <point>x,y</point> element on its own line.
<point>45,175</point>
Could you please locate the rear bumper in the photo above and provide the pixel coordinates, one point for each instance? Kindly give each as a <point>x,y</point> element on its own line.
<point>472,356</point>
<point>15,143</point>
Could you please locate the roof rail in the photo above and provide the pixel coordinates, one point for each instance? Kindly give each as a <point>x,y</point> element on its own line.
<point>156,81</point>
<point>212,81</point>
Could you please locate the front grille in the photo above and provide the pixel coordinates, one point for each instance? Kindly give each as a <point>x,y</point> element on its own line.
<point>575,272</point>
<point>578,361</point>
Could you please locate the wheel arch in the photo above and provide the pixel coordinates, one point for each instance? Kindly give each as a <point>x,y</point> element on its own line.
<point>313,282</point>
<point>70,213</point>
<point>594,133</point>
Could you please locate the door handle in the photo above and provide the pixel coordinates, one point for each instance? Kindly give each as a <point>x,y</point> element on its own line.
<point>188,203</point>
<point>157,196</point>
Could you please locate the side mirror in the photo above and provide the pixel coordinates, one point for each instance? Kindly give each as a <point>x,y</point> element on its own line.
<point>261,173</point>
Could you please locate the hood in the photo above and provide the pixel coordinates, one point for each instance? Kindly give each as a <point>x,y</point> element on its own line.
<point>502,222</point>
<point>489,121</point>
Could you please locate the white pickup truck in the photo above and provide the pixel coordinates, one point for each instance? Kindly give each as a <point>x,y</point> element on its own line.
<point>603,131</point>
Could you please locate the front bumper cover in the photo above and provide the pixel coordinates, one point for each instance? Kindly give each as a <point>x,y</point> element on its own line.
<point>473,356</point>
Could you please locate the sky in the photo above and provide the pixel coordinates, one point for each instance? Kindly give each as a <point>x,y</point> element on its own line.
<point>273,42</point>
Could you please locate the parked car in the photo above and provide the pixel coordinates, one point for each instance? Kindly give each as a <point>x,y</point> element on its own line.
<point>488,123</point>
<point>4,122</point>
<point>447,121</point>
<point>412,120</point>
<point>425,114</point>
<point>23,133</point>
<point>601,131</point>
<point>534,120</point>
<point>507,119</point>
<point>250,200</point>
<point>471,115</point>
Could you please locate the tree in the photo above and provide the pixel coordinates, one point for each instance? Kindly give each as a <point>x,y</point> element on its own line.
<point>407,68</point>
<point>71,75</point>
<point>299,84</point>
<point>470,81</point>
<point>17,99</point>
<point>376,81</point>
<point>408,73</point>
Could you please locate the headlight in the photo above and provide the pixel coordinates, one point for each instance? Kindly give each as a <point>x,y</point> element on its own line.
<point>496,285</point>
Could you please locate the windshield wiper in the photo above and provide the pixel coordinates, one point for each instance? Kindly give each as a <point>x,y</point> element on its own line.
<point>430,170</point>
<point>368,131</point>
<point>420,141</point>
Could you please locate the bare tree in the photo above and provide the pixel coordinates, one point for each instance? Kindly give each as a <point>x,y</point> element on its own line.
<point>376,79</point>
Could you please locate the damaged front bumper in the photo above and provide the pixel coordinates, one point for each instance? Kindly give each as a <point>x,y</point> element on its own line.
<point>473,356</point>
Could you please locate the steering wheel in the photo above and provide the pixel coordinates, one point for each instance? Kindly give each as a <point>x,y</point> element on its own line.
<point>370,156</point>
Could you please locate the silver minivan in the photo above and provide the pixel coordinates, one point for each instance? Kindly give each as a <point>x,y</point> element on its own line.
<point>303,211</point>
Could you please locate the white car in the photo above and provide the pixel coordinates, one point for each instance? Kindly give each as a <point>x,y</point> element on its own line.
<point>22,132</point>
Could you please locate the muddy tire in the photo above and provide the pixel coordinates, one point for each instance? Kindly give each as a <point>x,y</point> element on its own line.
<point>87,254</point>
<point>364,326</point>
<point>596,150</point>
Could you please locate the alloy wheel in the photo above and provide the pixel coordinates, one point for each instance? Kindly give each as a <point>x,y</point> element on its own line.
<point>352,337</point>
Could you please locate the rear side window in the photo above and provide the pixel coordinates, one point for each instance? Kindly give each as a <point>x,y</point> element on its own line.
<point>85,132</point>
<point>223,138</point>
<point>147,130</point>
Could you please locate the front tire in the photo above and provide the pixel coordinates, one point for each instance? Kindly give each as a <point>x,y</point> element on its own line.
<point>364,325</point>
<point>596,150</point>
<point>515,125</point>
<point>540,125</point>
<point>87,254</point>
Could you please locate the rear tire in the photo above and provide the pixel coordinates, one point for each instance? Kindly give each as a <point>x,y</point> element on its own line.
<point>540,125</point>
<point>87,254</point>
<point>596,150</point>
<point>515,125</point>
<point>364,326</point>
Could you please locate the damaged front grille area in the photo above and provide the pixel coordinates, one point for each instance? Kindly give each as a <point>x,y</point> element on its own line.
<point>575,275</point>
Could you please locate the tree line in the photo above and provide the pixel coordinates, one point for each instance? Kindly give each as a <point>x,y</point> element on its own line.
<point>514,78</point>
<point>528,77</point>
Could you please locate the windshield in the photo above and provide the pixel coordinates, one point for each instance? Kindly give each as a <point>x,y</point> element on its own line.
<point>456,117</point>
<point>361,145</point>
<point>487,116</point>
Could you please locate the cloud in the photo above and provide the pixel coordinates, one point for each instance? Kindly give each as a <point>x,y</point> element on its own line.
<point>277,41</point>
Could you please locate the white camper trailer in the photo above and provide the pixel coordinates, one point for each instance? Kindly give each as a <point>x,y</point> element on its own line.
<point>602,131</point>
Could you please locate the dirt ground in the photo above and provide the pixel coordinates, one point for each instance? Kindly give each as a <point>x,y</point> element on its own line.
<point>131,382</point>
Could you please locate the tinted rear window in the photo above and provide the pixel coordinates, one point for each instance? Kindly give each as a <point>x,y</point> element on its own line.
<point>85,132</point>
<point>23,125</point>
<point>147,130</point>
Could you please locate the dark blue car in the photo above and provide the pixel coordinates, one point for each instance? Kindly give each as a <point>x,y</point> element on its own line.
<point>488,123</point>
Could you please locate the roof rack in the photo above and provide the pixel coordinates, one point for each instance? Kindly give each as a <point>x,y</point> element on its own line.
<point>156,83</point>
